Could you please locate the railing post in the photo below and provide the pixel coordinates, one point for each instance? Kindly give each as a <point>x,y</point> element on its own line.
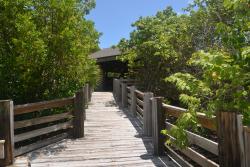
<point>7,131</point>
<point>147,114</point>
<point>89,92</point>
<point>229,131</point>
<point>124,95</point>
<point>246,132</point>
<point>79,114</point>
<point>114,87</point>
<point>119,90</point>
<point>86,94</point>
<point>2,149</point>
<point>133,100</point>
<point>158,125</point>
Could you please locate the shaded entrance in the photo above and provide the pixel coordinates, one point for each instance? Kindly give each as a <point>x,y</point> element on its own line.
<point>110,67</point>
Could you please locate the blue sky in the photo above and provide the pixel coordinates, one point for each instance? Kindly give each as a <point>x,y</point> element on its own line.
<point>114,17</point>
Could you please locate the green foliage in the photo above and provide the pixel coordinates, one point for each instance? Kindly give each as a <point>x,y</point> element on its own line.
<point>225,83</point>
<point>159,46</point>
<point>202,57</point>
<point>44,48</point>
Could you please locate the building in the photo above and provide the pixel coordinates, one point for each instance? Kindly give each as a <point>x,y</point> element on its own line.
<point>110,66</point>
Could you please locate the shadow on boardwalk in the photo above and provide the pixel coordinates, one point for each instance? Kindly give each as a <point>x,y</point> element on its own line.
<point>147,141</point>
<point>113,137</point>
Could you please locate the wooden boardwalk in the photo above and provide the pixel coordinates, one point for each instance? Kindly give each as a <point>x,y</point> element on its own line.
<point>112,138</point>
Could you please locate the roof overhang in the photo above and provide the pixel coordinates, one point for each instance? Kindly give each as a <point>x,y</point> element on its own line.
<point>105,55</point>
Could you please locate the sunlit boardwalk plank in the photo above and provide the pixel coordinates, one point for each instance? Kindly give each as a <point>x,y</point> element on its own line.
<point>112,138</point>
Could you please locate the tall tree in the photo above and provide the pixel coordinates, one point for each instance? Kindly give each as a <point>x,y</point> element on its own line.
<point>44,48</point>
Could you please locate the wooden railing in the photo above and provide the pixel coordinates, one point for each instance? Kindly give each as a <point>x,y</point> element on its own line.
<point>31,126</point>
<point>232,148</point>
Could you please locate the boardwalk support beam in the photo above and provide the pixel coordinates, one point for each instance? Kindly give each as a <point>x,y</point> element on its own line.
<point>147,114</point>
<point>7,131</point>
<point>79,114</point>
<point>158,125</point>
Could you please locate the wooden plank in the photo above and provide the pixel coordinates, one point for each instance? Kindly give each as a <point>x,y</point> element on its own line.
<point>31,107</point>
<point>209,123</point>
<point>158,124</point>
<point>200,141</point>
<point>42,120</point>
<point>241,138</point>
<point>2,149</point>
<point>79,114</point>
<point>86,94</point>
<point>228,135</point>
<point>247,145</point>
<point>133,101</point>
<point>7,131</point>
<point>42,131</point>
<point>147,114</point>
<point>139,102</point>
<point>198,158</point>
<point>39,144</point>
<point>179,159</point>
<point>195,156</point>
<point>139,93</point>
<point>247,129</point>
<point>139,110</point>
<point>124,95</point>
<point>119,91</point>
<point>103,146</point>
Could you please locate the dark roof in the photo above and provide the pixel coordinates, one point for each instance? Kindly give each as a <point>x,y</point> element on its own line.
<point>108,52</point>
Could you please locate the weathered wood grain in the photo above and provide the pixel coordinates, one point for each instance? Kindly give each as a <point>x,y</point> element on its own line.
<point>147,114</point>
<point>195,156</point>
<point>124,95</point>
<point>209,123</point>
<point>139,102</point>
<point>177,157</point>
<point>247,145</point>
<point>139,93</point>
<point>42,131</point>
<point>139,110</point>
<point>204,143</point>
<point>158,125</point>
<point>2,149</point>
<point>113,137</point>
<point>39,144</point>
<point>79,114</point>
<point>7,131</point>
<point>228,135</point>
<point>41,120</point>
<point>31,107</point>
<point>133,101</point>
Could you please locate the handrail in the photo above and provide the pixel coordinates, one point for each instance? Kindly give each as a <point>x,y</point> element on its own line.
<point>40,129</point>
<point>139,93</point>
<point>206,122</point>
<point>155,120</point>
<point>31,107</point>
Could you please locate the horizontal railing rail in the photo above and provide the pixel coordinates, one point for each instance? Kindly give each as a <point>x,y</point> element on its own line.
<point>206,122</point>
<point>156,116</point>
<point>35,125</point>
<point>31,107</point>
